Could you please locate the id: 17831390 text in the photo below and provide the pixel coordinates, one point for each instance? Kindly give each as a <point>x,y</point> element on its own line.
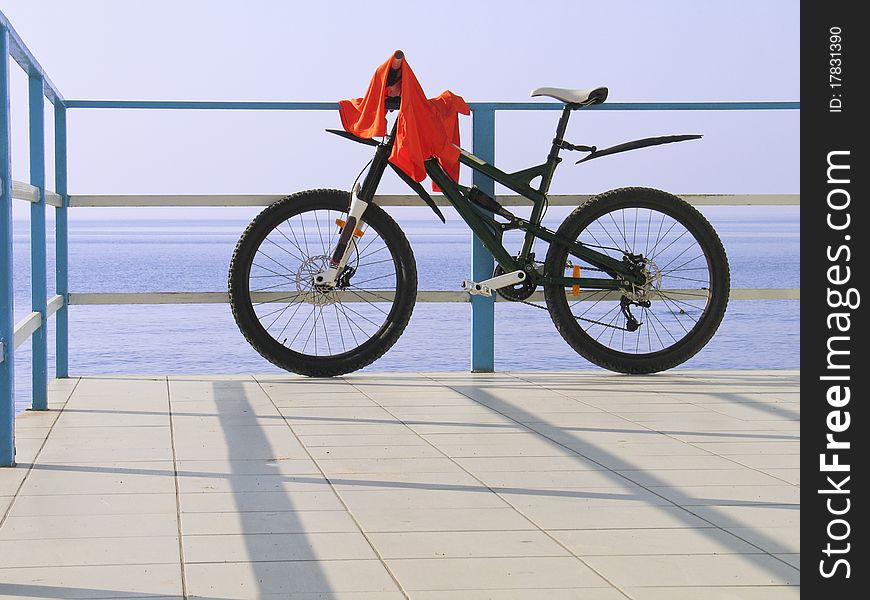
<point>835,69</point>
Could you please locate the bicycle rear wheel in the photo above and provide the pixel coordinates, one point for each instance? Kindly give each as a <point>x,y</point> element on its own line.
<point>657,326</point>
<point>311,330</point>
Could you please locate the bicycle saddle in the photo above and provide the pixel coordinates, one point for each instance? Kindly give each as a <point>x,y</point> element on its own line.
<point>585,97</point>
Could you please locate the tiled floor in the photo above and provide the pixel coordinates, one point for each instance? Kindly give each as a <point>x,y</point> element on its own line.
<point>427,486</point>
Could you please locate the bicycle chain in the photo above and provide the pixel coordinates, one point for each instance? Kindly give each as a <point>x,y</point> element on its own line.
<point>602,323</point>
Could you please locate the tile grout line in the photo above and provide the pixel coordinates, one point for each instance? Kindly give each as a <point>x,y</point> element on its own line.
<point>184,592</point>
<point>334,491</point>
<point>617,473</point>
<point>38,452</point>
<point>473,476</point>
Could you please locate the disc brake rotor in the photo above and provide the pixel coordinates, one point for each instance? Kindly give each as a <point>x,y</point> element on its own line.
<point>317,295</point>
<point>649,290</point>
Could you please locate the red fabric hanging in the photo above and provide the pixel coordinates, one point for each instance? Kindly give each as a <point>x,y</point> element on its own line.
<point>425,127</point>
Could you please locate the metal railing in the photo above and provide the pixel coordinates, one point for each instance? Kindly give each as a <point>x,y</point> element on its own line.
<point>34,325</point>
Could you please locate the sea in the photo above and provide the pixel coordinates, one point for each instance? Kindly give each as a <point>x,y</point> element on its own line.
<point>190,250</point>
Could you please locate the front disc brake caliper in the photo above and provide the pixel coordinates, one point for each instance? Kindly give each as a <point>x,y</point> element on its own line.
<point>342,282</point>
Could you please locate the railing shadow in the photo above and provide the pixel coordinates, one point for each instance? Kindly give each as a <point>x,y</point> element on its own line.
<point>651,431</point>
<point>383,483</point>
<point>34,590</point>
<point>235,410</point>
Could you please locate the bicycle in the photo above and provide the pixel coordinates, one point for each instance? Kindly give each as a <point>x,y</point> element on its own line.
<point>333,297</point>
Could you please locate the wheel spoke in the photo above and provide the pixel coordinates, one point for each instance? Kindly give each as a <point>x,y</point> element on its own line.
<point>358,283</point>
<point>665,327</point>
<point>652,253</point>
<point>339,327</point>
<point>274,273</point>
<point>675,258</point>
<point>361,316</point>
<point>261,252</point>
<point>291,242</point>
<point>354,292</point>
<point>615,243</point>
<point>686,278</point>
<point>362,256</point>
<point>670,244</point>
<point>353,324</point>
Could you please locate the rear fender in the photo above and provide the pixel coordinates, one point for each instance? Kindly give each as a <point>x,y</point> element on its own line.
<point>635,144</point>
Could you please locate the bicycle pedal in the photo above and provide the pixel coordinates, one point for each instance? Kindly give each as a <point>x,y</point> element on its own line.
<point>476,289</point>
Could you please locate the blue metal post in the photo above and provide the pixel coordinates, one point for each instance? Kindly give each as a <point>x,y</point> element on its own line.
<point>7,323</point>
<point>61,244</point>
<point>38,284</point>
<point>482,263</point>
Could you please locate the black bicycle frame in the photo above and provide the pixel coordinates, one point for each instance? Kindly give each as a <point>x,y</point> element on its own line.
<point>490,231</point>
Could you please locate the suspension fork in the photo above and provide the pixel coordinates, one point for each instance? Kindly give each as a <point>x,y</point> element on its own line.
<point>361,197</point>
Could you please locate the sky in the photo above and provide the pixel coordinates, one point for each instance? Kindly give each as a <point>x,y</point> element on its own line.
<point>671,50</point>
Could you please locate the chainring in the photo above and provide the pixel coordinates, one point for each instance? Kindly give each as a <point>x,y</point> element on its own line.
<point>515,293</point>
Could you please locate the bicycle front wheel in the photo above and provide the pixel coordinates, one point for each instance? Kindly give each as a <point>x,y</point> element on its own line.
<point>649,328</point>
<point>311,330</point>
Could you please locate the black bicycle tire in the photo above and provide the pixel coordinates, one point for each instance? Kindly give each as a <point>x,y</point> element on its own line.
<point>696,339</point>
<point>304,364</point>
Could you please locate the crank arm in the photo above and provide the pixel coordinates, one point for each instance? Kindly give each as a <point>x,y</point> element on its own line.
<point>488,286</point>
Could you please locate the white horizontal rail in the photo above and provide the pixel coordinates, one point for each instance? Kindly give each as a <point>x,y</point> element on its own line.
<point>25,328</point>
<point>422,296</point>
<point>53,199</point>
<point>32,322</point>
<point>409,200</point>
<point>765,294</point>
<point>25,191</point>
<point>30,193</point>
<point>54,304</point>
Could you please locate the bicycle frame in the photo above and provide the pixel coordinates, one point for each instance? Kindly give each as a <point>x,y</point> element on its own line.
<point>489,230</point>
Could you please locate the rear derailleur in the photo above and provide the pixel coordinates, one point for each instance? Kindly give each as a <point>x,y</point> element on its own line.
<point>631,323</point>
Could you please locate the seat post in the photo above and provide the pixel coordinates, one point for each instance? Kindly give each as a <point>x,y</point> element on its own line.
<point>553,158</point>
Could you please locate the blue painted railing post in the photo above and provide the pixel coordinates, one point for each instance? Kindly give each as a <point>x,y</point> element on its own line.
<point>38,285</point>
<point>483,308</point>
<point>61,244</point>
<point>7,319</point>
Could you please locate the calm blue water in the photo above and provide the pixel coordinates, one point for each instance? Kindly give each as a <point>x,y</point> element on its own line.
<point>193,254</point>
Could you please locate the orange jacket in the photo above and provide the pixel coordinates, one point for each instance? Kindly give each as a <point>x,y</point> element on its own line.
<point>425,128</point>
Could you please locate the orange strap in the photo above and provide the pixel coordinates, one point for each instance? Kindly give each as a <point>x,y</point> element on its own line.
<point>575,289</point>
<point>358,233</point>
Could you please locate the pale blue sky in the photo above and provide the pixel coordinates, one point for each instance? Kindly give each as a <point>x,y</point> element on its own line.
<point>280,50</point>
